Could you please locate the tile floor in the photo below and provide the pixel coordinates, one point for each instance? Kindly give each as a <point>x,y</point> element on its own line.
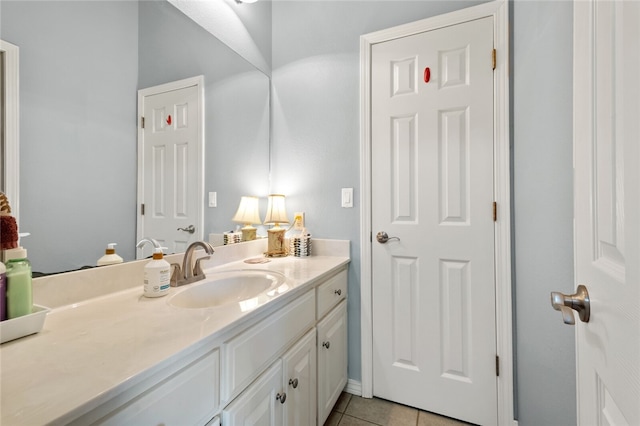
<point>351,410</point>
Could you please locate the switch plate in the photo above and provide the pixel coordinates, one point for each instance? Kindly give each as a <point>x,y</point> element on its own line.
<point>298,221</point>
<point>347,197</point>
<point>213,199</point>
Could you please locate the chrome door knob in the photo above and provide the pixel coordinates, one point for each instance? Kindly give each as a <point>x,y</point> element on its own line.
<point>578,302</point>
<point>382,237</point>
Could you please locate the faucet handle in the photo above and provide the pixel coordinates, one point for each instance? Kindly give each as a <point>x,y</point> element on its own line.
<point>176,277</point>
<point>197,270</point>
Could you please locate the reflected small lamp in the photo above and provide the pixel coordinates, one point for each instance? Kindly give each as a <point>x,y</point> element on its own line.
<point>248,214</point>
<point>276,214</point>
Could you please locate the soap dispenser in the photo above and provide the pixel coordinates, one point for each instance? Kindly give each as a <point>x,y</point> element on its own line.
<point>19,286</point>
<point>110,257</point>
<point>157,275</point>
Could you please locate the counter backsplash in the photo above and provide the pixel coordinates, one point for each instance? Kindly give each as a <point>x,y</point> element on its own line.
<point>58,290</point>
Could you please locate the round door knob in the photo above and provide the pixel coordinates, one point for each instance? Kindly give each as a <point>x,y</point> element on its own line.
<point>282,397</point>
<point>338,292</point>
<point>293,383</point>
<point>326,344</point>
<point>579,302</point>
<point>382,237</point>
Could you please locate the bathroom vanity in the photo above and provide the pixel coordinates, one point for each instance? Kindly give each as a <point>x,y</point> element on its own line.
<point>277,357</point>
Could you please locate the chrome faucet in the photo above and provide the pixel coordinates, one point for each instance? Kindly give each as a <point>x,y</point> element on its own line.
<point>190,275</point>
<point>151,241</point>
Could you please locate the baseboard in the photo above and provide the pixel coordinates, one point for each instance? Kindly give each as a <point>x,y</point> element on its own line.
<point>353,387</point>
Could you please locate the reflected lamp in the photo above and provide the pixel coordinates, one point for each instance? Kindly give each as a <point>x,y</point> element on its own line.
<point>248,214</point>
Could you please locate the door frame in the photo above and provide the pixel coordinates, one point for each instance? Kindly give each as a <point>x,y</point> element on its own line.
<point>197,81</point>
<point>11,157</point>
<point>499,10</point>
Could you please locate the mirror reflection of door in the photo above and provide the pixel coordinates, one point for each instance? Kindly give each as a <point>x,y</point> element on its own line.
<point>9,123</point>
<point>170,164</point>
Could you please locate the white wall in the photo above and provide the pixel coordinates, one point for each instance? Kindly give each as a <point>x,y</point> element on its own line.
<point>316,152</point>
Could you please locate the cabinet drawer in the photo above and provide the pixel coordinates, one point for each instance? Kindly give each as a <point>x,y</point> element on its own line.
<point>331,292</point>
<point>247,354</point>
<point>191,396</point>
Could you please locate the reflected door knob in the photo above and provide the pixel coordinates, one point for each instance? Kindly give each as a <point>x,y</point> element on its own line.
<point>190,229</point>
<point>566,304</point>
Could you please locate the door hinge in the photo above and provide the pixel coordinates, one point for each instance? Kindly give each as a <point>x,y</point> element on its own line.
<point>142,122</point>
<point>495,211</point>
<point>493,58</point>
<point>497,366</point>
<point>142,209</point>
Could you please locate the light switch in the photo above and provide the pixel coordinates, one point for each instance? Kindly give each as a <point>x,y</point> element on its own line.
<point>213,199</point>
<point>347,197</point>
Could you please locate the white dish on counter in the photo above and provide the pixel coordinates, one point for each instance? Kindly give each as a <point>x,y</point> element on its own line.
<point>23,326</point>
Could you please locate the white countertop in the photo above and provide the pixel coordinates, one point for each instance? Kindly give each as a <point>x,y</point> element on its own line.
<point>90,351</point>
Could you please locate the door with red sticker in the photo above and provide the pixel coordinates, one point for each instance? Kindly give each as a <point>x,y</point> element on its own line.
<point>170,176</point>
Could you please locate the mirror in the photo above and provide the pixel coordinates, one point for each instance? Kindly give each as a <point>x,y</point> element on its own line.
<point>81,64</point>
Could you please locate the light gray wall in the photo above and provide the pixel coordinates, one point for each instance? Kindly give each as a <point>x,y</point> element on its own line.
<point>316,152</point>
<point>543,186</point>
<point>78,81</point>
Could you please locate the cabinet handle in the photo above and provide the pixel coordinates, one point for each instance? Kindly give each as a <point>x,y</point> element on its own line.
<point>293,382</point>
<point>338,292</point>
<point>326,344</point>
<point>282,397</point>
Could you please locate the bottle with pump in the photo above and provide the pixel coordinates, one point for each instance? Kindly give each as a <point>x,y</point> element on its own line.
<point>157,275</point>
<point>110,257</point>
<point>19,290</point>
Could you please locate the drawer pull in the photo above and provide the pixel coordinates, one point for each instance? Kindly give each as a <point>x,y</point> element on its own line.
<point>293,382</point>
<point>282,397</point>
<point>326,344</point>
<point>338,292</point>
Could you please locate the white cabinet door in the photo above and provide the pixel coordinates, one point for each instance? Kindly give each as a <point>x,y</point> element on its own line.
<point>299,365</point>
<point>332,359</point>
<point>261,403</point>
<point>190,396</point>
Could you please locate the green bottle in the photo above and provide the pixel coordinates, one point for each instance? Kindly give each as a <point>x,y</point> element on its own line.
<point>19,292</point>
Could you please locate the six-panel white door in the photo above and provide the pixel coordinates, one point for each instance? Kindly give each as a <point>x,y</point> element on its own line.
<point>607,209</point>
<point>434,338</point>
<point>171,171</point>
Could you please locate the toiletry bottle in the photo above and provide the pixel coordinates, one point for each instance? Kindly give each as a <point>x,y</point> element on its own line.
<point>110,257</point>
<point>3,292</point>
<point>157,274</point>
<point>19,293</point>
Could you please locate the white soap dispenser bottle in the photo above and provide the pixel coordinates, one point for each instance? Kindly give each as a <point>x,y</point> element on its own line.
<point>157,275</point>
<point>110,257</point>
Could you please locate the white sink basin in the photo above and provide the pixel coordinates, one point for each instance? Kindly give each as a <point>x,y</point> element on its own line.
<point>245,287</point>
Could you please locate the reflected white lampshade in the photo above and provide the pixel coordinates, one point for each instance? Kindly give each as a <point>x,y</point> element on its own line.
<point>248,213</point>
